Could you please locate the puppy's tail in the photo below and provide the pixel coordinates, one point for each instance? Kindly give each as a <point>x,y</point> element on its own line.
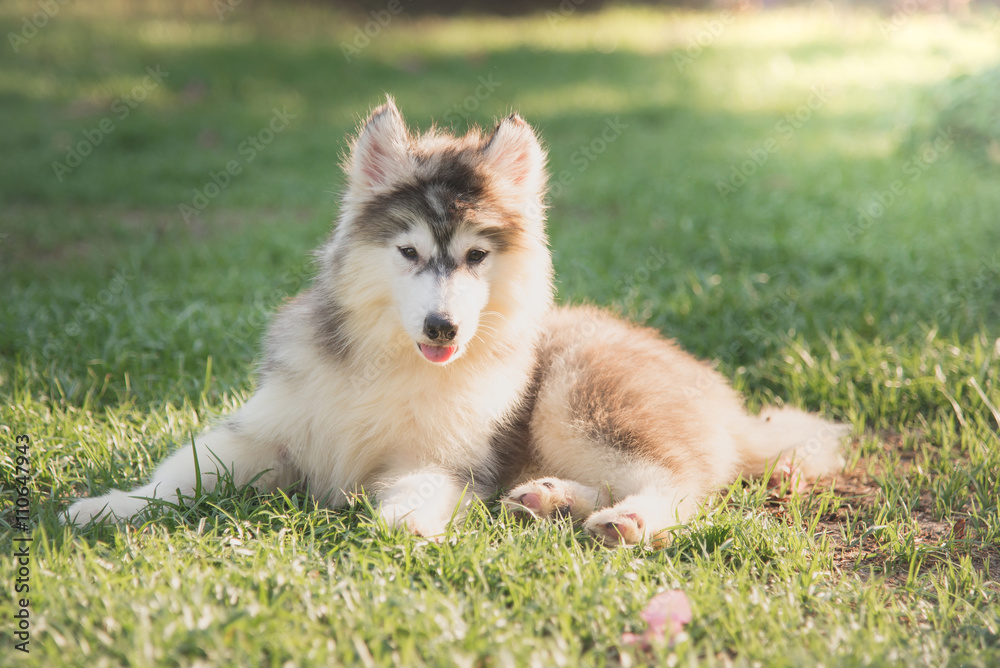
<point>790,442</point>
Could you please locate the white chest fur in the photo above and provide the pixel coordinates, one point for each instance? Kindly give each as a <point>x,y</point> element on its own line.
<point>345,427</point>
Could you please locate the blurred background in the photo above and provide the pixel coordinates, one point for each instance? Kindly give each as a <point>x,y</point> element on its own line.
<point>752,178</point>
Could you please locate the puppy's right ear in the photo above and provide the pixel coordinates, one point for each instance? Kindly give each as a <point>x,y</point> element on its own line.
<point>517,160</point>
<point>380,156</point>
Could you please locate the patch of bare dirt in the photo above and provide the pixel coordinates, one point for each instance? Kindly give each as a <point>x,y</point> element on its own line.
<point>943,539</point>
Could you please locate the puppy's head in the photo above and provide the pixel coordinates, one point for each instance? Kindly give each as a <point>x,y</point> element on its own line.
<point>436,230</point>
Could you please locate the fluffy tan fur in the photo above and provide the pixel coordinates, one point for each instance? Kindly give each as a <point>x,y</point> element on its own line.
<point>632,433</point>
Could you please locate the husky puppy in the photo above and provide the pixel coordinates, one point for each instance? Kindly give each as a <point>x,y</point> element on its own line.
<point>428,366</point>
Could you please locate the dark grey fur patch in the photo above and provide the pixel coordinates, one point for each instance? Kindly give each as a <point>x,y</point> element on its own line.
<point>460,191</point>
<point>481,480</point>
<point>511,443</point>
<point>330,326</point>
<point>271,365</point>
<point>233,425</point>
<point>288,318</point>
<point>386,216</point>
<point>441,264</point>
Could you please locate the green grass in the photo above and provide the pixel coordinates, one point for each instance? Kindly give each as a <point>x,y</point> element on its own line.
<point>124,327</point>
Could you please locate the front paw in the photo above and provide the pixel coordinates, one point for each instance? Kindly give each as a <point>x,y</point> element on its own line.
<point>617,526</point>
<point>417,521</point>
<point>548,498</point>
<point>115,506</point>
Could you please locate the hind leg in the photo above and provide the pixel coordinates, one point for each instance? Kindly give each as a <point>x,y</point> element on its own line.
<point>548,498</point>
<point>651,502</point>
<point>645,512</point>
<point>620,408</point>
<point>639,518</point>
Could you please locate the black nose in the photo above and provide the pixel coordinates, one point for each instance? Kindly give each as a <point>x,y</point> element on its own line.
<point>436,327</point>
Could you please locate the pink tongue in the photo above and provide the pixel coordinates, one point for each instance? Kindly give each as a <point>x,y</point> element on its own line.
<point>437,354</point>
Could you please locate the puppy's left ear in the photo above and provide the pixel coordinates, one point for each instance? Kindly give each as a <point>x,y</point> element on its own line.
<point>517,161</point>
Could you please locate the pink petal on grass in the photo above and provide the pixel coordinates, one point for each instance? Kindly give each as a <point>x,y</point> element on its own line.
<point>665,616</point>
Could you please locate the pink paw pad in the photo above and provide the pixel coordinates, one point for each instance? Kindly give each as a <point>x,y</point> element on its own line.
<point>626,528</point>
<point>531,501</point>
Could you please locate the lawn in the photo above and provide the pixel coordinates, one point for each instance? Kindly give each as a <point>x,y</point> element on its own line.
<point>810,197</point>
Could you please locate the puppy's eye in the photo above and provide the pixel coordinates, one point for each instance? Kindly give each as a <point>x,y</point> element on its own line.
<point>475,256</point>
<point>409,252</point>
